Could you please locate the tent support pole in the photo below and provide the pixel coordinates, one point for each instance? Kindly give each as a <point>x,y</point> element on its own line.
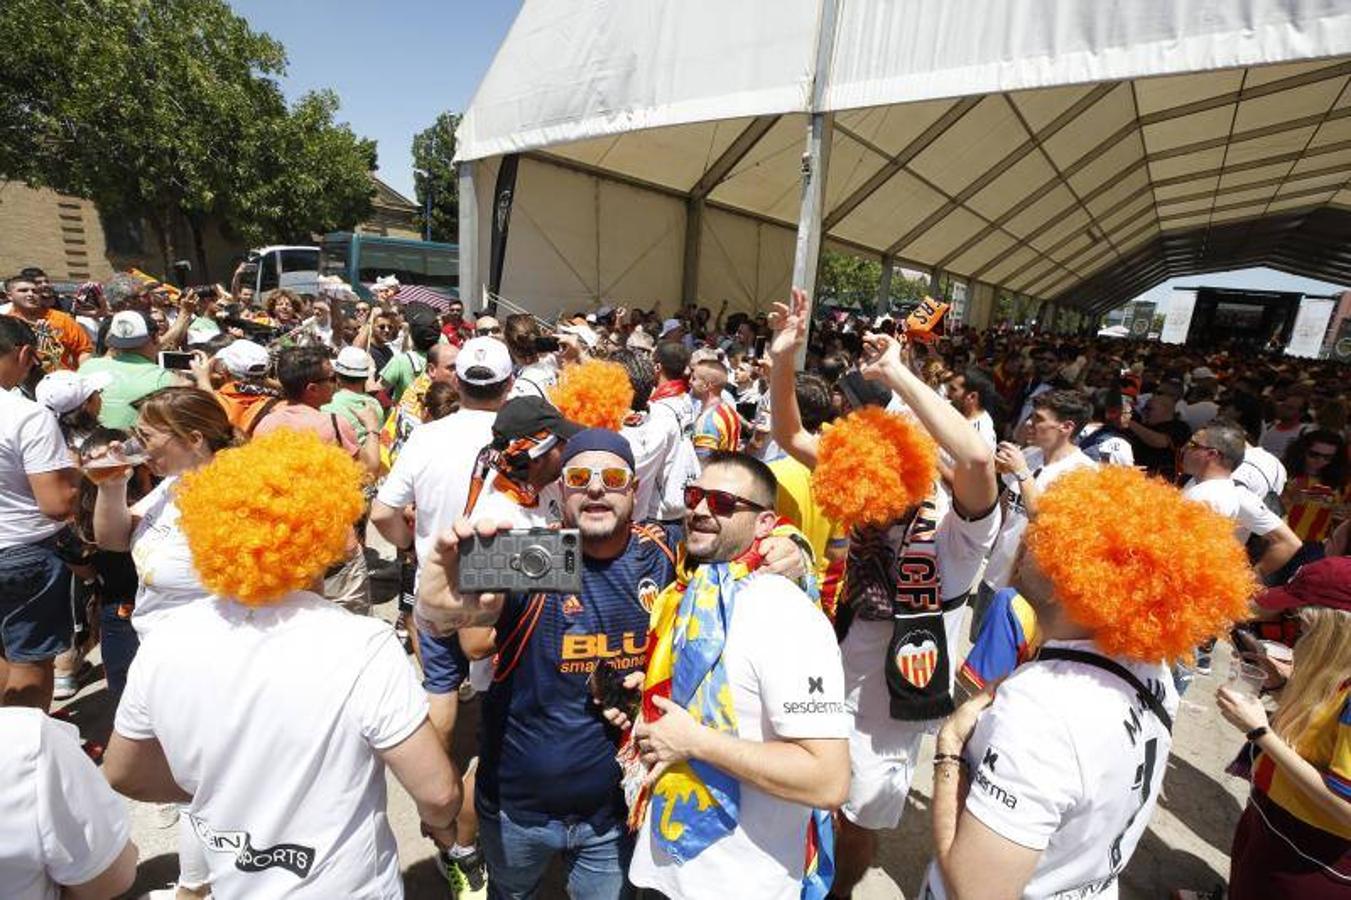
<point>936,283</point>
<point>689,271</point>
<point>815,162</point>
<point>884,286</point>
<point>471,290</point>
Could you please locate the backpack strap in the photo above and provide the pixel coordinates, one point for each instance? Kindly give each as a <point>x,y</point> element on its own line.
<point>259,413</point>
<point>1109,665</point>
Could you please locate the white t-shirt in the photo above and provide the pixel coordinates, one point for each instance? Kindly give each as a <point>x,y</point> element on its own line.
<point>685,408</point>
<point>30,444</point>
<point>271,717</point>
<point>1114,450</point>
<point>434,470</point>
<point>654,442</point>
<point>60,822</point>
<point>1236,502</point>
<point>783,666</point>
<point>167,578</point>
<point>1068,761</point>
<point>984,426</point>
<point>997,571</point>
<point>500,507</point>
<point>535,379</point>
<point>1260,472</point>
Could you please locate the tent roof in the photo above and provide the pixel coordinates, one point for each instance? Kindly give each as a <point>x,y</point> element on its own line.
<point>1077,152</point>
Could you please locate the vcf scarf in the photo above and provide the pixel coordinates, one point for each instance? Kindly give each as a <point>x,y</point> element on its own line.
<point>892,574</point>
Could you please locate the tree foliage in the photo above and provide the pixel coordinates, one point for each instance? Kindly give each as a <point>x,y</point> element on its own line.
<point>433,150</point>
<point>165,108</point>
<point>853,280</point>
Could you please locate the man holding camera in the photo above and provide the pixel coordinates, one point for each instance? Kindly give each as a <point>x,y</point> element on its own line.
<point>548,782</point>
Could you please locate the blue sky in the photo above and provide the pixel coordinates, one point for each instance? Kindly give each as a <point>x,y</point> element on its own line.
<point>397,64</point>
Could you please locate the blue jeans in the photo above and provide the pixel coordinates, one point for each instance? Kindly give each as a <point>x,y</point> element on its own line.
<point>517,855</point>
<point>36,620</point>
<point>118,643</point>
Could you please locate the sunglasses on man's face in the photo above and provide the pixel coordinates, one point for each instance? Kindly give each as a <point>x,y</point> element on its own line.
<point>720,503</point>
<point>612,478</point>
<point>486,332</point>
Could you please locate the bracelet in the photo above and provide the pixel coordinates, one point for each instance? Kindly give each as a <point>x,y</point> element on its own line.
<point>1258,733</point>
<point>940,758</point>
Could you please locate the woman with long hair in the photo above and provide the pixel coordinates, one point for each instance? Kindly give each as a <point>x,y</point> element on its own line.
<point>180,429</point>
<point>1316,494</point>
<point>1294,838</point>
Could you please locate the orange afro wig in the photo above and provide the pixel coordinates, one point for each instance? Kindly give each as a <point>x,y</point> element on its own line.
<point>596,394</point>
<point>268,518</point>
<point>872,466</point>
<point>1150,573</point>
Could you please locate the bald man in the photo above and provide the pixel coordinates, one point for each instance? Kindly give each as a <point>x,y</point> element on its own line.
<point>717,427</point>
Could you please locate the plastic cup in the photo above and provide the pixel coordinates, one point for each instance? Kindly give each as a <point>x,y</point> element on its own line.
<point>114,461</point>
<point>1246,678</point>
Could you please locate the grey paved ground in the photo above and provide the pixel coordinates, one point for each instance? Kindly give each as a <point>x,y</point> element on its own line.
<point>1187,844</point>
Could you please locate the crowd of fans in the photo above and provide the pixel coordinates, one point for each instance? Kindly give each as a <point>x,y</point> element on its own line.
<point>782,523</point>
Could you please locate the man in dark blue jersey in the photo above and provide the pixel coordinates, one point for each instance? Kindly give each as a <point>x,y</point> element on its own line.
<point>548,782</point>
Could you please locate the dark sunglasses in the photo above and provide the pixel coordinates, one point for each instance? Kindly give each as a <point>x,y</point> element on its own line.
<point>720,503</point>
<point>485,332</point>
<point>1318,454</point>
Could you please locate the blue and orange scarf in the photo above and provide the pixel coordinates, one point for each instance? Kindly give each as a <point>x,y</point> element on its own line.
<point>694,804</point>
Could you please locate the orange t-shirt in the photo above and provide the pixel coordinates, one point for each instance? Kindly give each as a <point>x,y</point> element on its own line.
<point>61,340</point>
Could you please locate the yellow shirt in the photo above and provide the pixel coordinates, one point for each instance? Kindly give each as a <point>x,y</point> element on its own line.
<point>1327,744</point>
<point>796,504</point>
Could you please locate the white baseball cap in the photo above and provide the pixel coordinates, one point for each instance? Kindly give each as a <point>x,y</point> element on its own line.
<point>64,391</point>
<point>353,362</point>
<point>641,340</point>
<point>386,281</point>
<point>244,358</point>
<point>583,333</point>
<point>669,326</point>
<point>128,330</point>
<point>487,357</point>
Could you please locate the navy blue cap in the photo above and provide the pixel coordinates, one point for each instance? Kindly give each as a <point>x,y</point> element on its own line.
<point>599,439</point>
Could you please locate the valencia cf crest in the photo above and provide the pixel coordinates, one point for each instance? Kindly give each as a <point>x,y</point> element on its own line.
<point>571,605</point>
<point>647,594</point>
<point>917,658</point>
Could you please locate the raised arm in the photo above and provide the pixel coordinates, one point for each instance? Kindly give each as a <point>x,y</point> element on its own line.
<point>973,481</point>
<point>790,324</point>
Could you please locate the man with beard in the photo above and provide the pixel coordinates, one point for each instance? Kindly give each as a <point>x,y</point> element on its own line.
<point>743,730</point>
<point>548,782</point>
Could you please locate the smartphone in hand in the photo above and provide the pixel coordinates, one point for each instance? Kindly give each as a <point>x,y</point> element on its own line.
<point>607,687</point>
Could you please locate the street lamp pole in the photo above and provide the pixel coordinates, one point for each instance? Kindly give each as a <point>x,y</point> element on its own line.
<point>427,211</point>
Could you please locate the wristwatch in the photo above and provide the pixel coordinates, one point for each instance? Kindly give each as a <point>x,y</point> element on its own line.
<point>1257,733</point>
<point>1022,476</point>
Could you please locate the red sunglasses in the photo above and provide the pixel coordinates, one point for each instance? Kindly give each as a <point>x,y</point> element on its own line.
<point>720,503</point>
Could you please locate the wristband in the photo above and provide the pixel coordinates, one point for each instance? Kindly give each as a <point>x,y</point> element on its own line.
<point>1022,476</point>
<point>940,758</point>
<point>1257,733</point>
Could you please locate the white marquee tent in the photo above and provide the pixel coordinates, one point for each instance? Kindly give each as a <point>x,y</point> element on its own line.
<point>1073,151</point>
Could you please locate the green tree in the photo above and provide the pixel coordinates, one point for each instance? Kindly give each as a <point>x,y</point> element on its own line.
<point>435,178</point>
<point>168,108</point>
<point>853,280</point>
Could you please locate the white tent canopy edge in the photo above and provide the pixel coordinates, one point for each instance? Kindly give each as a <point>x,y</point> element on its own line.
<point>624,108</point>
